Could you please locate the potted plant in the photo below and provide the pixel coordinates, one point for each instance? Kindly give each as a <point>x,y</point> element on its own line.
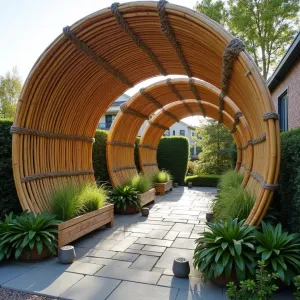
<point>280,250</point>
<point>82,209</point>
<point>126,200</point>
<point>143,184</point>
<point>162,182</point>
<point>226,252</point>
<point>28,237</point>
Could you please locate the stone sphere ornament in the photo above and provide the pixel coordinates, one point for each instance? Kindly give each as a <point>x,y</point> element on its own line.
<point>181,267</point>
<point>66,254</point>
<point>145,211</point>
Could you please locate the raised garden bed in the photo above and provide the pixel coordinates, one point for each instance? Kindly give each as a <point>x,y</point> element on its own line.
<point>162,188</point>
<point>77,227</point>
<point>148,197</point>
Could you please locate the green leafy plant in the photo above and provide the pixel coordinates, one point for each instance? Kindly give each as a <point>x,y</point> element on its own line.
<point>27,231</point>
<point>140,183</point>
<point>65,202</point>
<point>228,247</point>
<point>203,180</point>
<point>297,285</point>
<point>280,250</point>
<point>261,288</point>
<point>91,198</point>
<point>123,197</point>
<point>162,177</point>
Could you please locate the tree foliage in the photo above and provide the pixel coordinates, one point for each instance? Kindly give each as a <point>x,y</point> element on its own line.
<point>10,89</point>
<point>266,27</point>
<point>218,150</point>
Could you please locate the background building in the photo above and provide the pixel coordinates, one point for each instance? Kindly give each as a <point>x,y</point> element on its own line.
<point>284,86</point>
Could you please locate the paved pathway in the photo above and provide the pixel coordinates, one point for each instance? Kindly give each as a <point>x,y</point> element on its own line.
<point>133,260</point>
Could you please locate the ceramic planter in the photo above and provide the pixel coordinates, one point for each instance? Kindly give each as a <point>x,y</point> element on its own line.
<point>77,227</point>
<point>181,267</point>
<point>66,254</point>
<point>35,256</point>
<point>148,197</point>
<point>145,211</point>
<point>162,188</point>
<point>209,216</point>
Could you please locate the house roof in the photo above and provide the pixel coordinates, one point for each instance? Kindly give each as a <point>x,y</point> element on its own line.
<point>187,125</point>
<point>289,58</point>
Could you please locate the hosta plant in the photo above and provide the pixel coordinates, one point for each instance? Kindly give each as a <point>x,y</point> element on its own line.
<point>280,250</point>
<point>26,232</point>
<point>123,197</point>
<point>227,248</point>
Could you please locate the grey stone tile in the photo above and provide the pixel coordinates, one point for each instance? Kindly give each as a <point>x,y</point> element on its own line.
<point>106,262</point>
<point>157,234</point>
<point>91,288</point>
<point>193,222</point>
<point>10,271</point>
<point>102,244</point>
<point>138,291</point>
<point>185,212</point>
<point>83,268</point>
<point>139,234</point>
<point>155,218</point>
<point>184,243</point>
<point>211,293</point>
<point>123,245</point>
<point>52,282</point>
<point>177,220</point>
<point>129,274</point>
<point>154,248</point>
<point>118,235</point>
<point>154,226</point>
<point>159,270</point>
<point>137,229</point>
<point>154,242</point>
<point>101,253</point>
<point>136,246</point>
<point>194,235</point>
<point>171,235</point>
<point>186,217</point>
<point>144,262</point>
<point>183,227</point>
<point>126,256</point>
<point>184,234</point>
<point>142,252</point>
<point>163,223</point>
<point>191,283</point>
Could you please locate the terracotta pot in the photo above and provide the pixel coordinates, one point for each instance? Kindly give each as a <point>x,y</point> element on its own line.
<point>35,256</point>
<point>128,211</point>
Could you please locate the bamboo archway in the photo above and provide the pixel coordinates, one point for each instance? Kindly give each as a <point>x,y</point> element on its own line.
<point>102,55</point>
<point>121,143</point>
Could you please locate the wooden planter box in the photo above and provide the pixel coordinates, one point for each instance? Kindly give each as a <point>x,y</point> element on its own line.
<point>148,197</point>
<point>75,228</point>
<point>162,188</point>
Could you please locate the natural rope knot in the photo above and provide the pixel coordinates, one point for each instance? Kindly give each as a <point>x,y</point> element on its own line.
<point>67,31</point>
<point>164,26</point>
<point>270,115</point>
<point>143,91</point>
<point>237,116</point>
<point>234,47</point>
<point>114,6</point>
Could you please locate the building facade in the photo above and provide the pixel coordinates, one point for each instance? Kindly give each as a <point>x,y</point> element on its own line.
<point>177,129</point>
<point>284,86</point>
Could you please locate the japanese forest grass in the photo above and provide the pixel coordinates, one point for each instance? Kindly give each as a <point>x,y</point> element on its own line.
<point>232,199</point>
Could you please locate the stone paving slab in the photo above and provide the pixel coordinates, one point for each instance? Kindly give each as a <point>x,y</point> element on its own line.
<point>123,245</point>
<point>191,283</point>
<point>171,236</point>
<point>129,274</point>
<point>143,252</point>
<point>154,248</point>
<point>106,262</point>
<point>136,246</point>
<point>101,253</point>
<point>185,212</point>
<point>183,227</point>
<point>126,256</point>
<point>138,291</point>
<point>96,243</point>
<point>157,234</point>
<point>10,271</point>
<point>144,262</point>
<point>91,288</point>
<point>184,243</point>
<point>139,234</point>
<point>177,220</point>
<point>83,268</point>
<point>183,235</point>
<point>154,242</point>
<point>154,226</point>
<point>208,294</point>
<point>51,283</point>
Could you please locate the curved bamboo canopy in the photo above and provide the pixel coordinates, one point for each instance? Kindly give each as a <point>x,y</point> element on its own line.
<point>101,56</point>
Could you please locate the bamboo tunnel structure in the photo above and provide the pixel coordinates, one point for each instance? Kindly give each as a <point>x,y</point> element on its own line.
<point>98,58</point>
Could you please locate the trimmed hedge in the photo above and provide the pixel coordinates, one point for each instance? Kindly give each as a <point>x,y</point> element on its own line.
<point>173,155</point>
<point>99,156</point>
<point>203,180</point>
<point>288,193</point>
<point>9,201</point>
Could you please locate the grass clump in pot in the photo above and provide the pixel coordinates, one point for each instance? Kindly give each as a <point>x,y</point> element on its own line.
<point>162,177</point>
<point>140,183</point>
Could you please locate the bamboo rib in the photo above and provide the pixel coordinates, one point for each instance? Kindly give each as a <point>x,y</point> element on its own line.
<point>66,93</point>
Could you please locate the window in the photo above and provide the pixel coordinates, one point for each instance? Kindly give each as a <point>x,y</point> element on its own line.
<point>173,132</point>
<point>108,120</point>
<point>182,132</point>
<point>283,111</point>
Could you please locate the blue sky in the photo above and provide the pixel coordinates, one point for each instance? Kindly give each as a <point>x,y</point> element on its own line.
<point>27,27</point>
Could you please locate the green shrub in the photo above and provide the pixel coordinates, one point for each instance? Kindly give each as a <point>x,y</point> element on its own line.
<point>65,202</point>
<point>123,197</point>
<point>9,201</point>
<point>261,288</point>
<point>226,247</point>
<point>99,156</point>
<point>27,231</point>
<point>289,179</point>
<point>91,198</point>
<point>230,178</point>
<point>140,183</point>
<point>173,155</point>
<point>297,285</point>
<point>162,177</point>
<point>280,250</point>
<point>203,180</point>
